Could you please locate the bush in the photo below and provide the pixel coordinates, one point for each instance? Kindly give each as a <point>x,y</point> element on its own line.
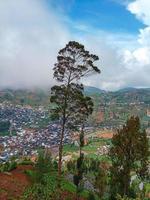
<point>43,190</point>
<point>8,166</point>
<point>12,166</point>
<point>44,179</point>
<point>26,162</point>
<point>91,196</point>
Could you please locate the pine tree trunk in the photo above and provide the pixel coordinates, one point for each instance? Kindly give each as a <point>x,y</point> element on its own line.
<point>60,159</point>
<point>61,142</point>
<point>61,138</point>
<point>127,184</point>
<point>60,151</point>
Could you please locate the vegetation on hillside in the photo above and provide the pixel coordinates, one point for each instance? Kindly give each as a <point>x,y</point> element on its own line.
<point>121,172</point>
<point>91,178</point>
<point>86,177</point>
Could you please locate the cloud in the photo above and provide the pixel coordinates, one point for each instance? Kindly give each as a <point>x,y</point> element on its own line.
<point>32,32</point>
<point>123,61</point>
<point>107,47</point>
<point>140,8</point>
<point>30,36</point>
<point>138,60</point>
<point>125,58</point>
<point>134,58</point>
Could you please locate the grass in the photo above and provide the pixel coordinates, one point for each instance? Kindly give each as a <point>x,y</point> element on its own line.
<point>147,187</point>
<point>99,157</point>
<point>70,148</point>
<point>84,194</point>
<point>68,186</point>
<point>26,162</point>
<point>90,148</point>
<point>71,188</point>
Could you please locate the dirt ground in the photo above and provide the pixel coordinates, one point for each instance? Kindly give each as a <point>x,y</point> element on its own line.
<point>105,135</point>
<point>13,184</point>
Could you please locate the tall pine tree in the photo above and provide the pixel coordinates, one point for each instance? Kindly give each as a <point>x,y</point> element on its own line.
<point>73,63</point>
<point>129,153</point>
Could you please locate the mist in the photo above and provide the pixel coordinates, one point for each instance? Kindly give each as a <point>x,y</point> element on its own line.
<point>30,37</point>
<point>32,33</point>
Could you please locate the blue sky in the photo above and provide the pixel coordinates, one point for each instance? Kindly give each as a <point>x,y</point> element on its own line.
<point>33,31</point>
<point>107,15</point>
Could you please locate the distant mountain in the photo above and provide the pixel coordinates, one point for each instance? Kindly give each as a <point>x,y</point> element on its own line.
<point>41,97</point>
<point>32,97</point>
<point>131,89</point>
<point>131,95</point>
<point>89,90</point>
<point>128,89</point>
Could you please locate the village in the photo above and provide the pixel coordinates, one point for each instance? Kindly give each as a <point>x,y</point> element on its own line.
<point>25,135</point>
<point>20,116</point>
<point>28,141</point>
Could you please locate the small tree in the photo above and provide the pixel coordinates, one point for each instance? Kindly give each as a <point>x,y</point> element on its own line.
<point>79,175</point>
<point>85,109</point>
<point>101,182</point>
<point>43,166</point>
<point>73,63</point>
<point>129,152</point>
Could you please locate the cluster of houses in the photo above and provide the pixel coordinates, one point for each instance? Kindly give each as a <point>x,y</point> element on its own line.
<point>29,137</point>
<point>20,116</point>
<point>28,141</point>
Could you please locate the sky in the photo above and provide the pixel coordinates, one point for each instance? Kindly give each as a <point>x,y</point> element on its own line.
<point>33,31</point>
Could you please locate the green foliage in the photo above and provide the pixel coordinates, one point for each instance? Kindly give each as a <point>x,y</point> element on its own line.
<point>44,165</point>
<point>26,162</point>
<point>30,173</point>
<point>88,166</point>
<point>91,196</point>
<point>12,166</point>
<point>80,170</point>
<point>82,139</point>
<point>71,166</point>
<point>70,148</point>
<point>43,177</point>
<point>68,186</point>
<point>40,191</point>
<point>101,182</point>
<point>8,166</point>
<point>91,165</point>
<point>127,198</point>
<point>129,152</point>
